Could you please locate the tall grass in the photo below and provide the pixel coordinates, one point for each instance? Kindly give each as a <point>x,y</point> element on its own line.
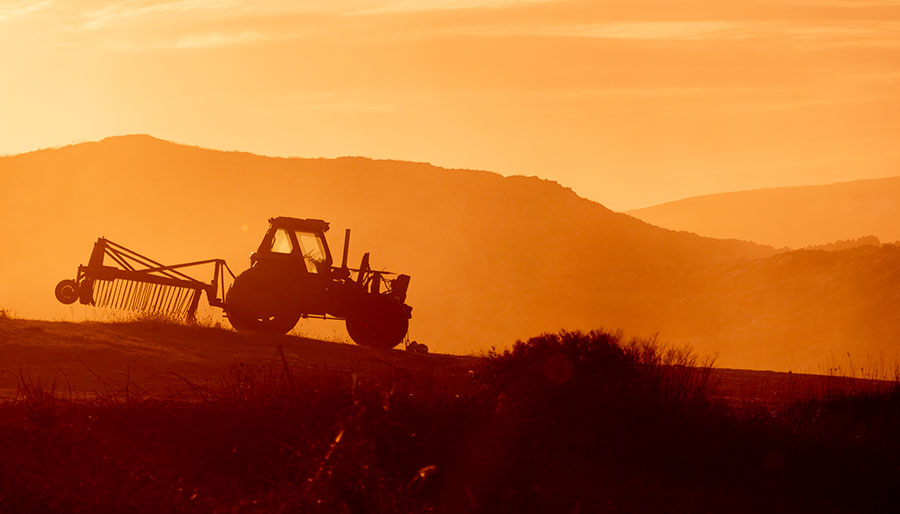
<point>567,422</point>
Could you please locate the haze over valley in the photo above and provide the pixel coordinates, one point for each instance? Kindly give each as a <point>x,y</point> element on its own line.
<point>492,259</point>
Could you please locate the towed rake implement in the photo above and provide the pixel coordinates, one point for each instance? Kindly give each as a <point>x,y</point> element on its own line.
<point>138,283</point>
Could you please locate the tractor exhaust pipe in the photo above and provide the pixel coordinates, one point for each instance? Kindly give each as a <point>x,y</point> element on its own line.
<point>346,248</point>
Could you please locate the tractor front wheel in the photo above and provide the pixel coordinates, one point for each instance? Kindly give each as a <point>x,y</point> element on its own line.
<point>382,325</point>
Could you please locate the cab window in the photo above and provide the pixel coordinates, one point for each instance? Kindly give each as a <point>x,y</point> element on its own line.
<point>313,250</point>
<point>281,242</point>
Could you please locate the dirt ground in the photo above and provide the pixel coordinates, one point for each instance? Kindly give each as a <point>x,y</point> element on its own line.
<point>157,359</point>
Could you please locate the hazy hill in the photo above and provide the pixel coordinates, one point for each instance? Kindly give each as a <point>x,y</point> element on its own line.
<point>789,216</point>
<point>492,258</point>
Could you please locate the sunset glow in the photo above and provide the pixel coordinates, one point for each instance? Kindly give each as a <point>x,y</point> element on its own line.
<point>629,103</point>
<point>449,256</point>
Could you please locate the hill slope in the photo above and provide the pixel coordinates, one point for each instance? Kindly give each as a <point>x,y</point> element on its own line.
<point>789,216</point>
<point>492,259</point>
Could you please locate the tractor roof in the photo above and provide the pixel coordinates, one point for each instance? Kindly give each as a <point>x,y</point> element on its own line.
<point>298,223</point>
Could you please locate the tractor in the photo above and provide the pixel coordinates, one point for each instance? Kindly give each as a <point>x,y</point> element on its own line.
<point>291,276</point>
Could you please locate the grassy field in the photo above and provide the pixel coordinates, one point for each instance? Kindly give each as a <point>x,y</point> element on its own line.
<point>570,422</point>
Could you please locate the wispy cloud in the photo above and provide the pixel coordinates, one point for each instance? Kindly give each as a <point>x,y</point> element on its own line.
<point>649,30</point>
<point>18,9</point>
<point>186,24</point>
<point>845,3</point>
<point>636,30</point>
<point>400,6</point>
<point>859,33</point>
<point>126,10</point>
<point>119,12</point>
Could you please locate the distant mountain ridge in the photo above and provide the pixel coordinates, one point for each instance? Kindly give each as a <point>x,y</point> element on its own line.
<point>492,259</point>
<point>793,217</point>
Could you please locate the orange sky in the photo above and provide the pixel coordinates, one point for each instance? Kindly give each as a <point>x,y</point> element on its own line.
<point>628,102</point>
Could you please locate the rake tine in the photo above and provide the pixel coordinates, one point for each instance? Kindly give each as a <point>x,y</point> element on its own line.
<point>181,297</point>
<point>185,298</point>
<point>160,299</point>
<point>153,290</point>
<point>178,300</point>
<point>134,295</point>
<point>152,300</point>
<point>111,297</point>
<point>139,297</point>
<point>120,291</point>
<point>161,304</point>
<point>128,288</point>
<point>156,291</point>
<point>98,293</point>
<point>168,301</point>
<point>138,301</point>
<point>172,297</point>
<point>145,296</point>
<point>160,293</point>
<point>102,296</point>
<point>138,294</point>
<point>124,300</point>
<point>117,287</point>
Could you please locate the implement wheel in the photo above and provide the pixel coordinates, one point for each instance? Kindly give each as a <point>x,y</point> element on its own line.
<point>67,291</point>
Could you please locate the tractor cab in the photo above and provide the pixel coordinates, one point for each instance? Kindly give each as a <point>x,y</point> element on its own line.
<point>296,241</point>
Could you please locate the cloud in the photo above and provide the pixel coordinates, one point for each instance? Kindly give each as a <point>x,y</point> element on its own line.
<point>649,30</point>
<point>633,30</point>
<point>172,24</point>
<point>119,12</point>
<point>875,33</point>
<point>127,10</point>
<point>845,3</point>
<point>400,6</point>
<point>19,9</point>
<point>879,33</point>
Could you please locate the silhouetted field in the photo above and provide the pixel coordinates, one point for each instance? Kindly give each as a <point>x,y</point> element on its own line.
<point>570,422</point>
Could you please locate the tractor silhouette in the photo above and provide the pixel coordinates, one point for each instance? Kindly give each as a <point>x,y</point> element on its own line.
<point>291,276</point>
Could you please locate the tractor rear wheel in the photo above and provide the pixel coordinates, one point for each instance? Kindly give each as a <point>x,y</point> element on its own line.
<point>255,304</point>
<point>382,325</point>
